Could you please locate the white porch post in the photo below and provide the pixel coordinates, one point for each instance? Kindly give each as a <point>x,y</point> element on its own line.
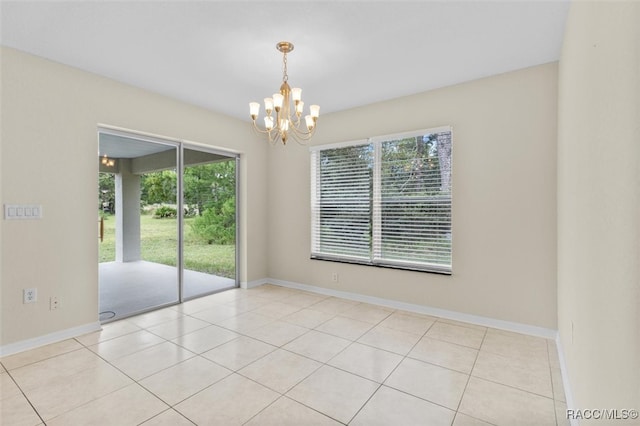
<point>127,213</point>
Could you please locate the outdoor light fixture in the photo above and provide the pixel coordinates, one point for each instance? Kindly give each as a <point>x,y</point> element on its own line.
<point>109,162</point>
<point>283,123</point>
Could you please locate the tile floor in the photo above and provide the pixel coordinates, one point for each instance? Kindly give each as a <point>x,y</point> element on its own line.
<point>277,356</point>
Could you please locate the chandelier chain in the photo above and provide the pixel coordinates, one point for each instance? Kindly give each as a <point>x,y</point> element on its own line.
<point>285,76</point>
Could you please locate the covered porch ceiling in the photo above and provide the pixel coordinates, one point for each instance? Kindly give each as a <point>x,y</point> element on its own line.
<point>147,156</point>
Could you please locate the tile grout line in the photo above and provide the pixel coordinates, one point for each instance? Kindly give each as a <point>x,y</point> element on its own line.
<point>123,373</point>
<point>348,346</point>
<point>405,357</point>
<point>484,336</point>
<point>165,411</point>
<point>25,397</point>
<point>357,375</point>
<point>308,330</point>
<point>137,382</point>
<point>384,350</point>
<point>553,390</point>
<point>172,406</point>
<point>252,362</point>
<point>165,340</point>
<point>322,364</point>
<point>52,357</point>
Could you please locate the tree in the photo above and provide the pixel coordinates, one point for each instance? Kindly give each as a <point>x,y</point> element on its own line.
<point>106,192</point>
<point>159,187</point>
<point>444,160</point>
<point>217,226</point>
<point>410,165</point>
<point>210,189</point>
<point>209,185</point>
<point>209,192</point>
<point>416,187</point>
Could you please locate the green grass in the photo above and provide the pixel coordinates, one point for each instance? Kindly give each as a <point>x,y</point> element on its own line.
<point>159,244</point>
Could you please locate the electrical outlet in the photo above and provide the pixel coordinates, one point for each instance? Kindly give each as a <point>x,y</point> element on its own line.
<point>53,303</point>
<point>334,277</point>
<point>29,295</point>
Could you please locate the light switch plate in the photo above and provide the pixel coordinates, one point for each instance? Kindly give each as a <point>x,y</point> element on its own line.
<point>22,211</point>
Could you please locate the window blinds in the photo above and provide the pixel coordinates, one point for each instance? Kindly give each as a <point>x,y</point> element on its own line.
<point>385,201</point>
<point>341,205</point>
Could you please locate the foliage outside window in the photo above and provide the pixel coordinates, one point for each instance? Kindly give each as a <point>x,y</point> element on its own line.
<point>210,195</point>
<point>209,198</point>
<point>384,201</point>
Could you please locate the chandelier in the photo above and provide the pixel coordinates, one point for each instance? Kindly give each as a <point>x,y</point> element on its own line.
<point>284,123</point>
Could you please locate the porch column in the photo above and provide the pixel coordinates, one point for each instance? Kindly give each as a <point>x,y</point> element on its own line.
<point>127,213</point>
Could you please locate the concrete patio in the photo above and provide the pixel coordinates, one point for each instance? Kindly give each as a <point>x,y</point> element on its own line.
<point>127,288</point>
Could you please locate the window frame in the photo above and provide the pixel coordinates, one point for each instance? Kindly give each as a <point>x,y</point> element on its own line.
<point>375,257</point>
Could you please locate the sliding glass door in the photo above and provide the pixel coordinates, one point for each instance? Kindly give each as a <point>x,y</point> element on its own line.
<point>167,222</point>
<point>138,197</point>
<point>209,242</point>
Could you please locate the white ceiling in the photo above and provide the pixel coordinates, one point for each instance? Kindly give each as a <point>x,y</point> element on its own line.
<point>221,55</point>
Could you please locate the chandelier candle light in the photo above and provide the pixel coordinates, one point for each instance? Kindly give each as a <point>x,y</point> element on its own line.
<point>284,124</point>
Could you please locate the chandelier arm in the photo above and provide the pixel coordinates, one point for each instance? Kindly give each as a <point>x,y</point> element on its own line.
<point>302,137</point>
<point>302,140</point>
<point>298,130</point>
<point>301,130</point>
<point>272,135</point>
<point>259,130</point>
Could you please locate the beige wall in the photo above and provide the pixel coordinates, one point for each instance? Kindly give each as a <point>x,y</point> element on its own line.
<point>599,204</point>
<point>49,147</point>
<point>504,199</point>
<point>504,192</point>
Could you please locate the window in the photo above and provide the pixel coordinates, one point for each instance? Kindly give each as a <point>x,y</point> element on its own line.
<point>384,201</point>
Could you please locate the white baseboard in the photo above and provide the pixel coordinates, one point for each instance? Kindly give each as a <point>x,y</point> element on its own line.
<point>255,283</point>
<point>24,345</point>
<point>421,309</point>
